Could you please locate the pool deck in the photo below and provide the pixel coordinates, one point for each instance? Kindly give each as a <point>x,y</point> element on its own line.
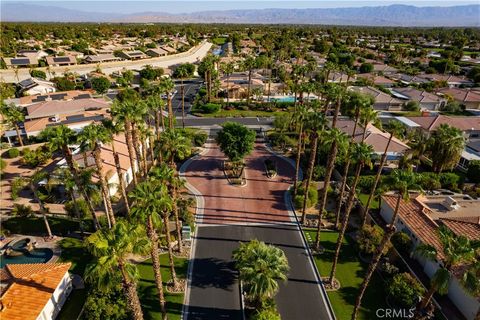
<point>41,243</point>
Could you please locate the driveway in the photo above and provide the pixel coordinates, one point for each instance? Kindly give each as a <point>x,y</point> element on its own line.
<point>233,214</point>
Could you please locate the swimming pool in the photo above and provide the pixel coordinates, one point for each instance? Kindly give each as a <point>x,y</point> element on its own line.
<point>39,255</point>
<point>284,99</point>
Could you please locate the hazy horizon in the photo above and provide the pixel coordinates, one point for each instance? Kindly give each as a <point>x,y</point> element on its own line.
<point>189,6</point>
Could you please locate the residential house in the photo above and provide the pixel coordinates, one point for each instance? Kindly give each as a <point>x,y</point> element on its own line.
<point>236,85</point>
<point>34,291</point>
<point>383,68</point>
<point>408,79</point>
<point>421,217</point>
<point>36,54</point>
<point>466,97</point>
<point>426,100</point>
<point>169,49</point>
<point>451,80</point>
<point>157,52</point>
<point>34,86</point>
<point>469,125</point>
<point>18,62</point>
<point>99,58</point>
<point>377,80</point>
<point>471,153</point>
<point>383,101</point>
<point>133,55</point>
<point>340,77</point>
<point>59,95</point>
<point>61,61</point>
<point>376,138</point>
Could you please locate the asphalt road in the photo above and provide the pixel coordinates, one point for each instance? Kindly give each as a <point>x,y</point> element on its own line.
<point>233,214</point>
<point>191,89</point>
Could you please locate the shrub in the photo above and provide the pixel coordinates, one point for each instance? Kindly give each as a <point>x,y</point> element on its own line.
<point>405,290</point>
<point>38,74</point>
<point>36,157</point>
<point>412,106</point>
<point>366,68</point>
<point>22,210</point>
<point>369,238</point>
<point>429,181</point>
<point>266,314</point>
<point>100,84</point>
<point>473,172</point>
<point>3,164</point>
<point>210,108</point>
<point>13,153</point>
<point>319,172</point>
<point>402,242</point>
<point>365,183</point>
<point>109,304</point>
<point>18,183</point>
<point>81,205</point>
<point>449,180</point>
<point>311,199</point>
<point>199,138</point>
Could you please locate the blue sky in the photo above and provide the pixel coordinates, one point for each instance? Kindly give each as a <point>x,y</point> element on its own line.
<point>182,6</point>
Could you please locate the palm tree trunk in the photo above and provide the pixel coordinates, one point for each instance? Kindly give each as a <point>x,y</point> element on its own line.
<point>69,159</point>
<point>131,150</point>
<point>311,164</point>
<point>297,160</point>
<point>75,209</point>
<point>249,85</point>
<point>152,235</point>
<point>130,290</point>
<point>121,182</point>
<point>43,210</point>
<point>269,85</point>
<point>177,219</point>
<point>136,147</point>
<point>228,89</point>
<point>375,182</point>
<point>341,235</point>
<point>323,196</point>
<point>19,136</point>
<point>170,252</point>
<point>144,157</point>
<point>428,297</point>
<point>376,259</point>
<point>151,143</point>
<point>158,115</point>
<point>103,184</point>
<point>170,111</point>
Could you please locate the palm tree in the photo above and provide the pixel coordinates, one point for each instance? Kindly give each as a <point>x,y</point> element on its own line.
<point>315,122</point>
<point>334,137</point>
<point>111,249</point>
<point>115,128</point>
<point>149,200</point>
<point>361,155</point>
<point>156,104</point>
<point>300,116</point>
<point>13,116</point>
<point>249,64</point>
<point>260,267</point>
<point>456,250</point>
<point>228,69</point>
<point>395,128</point>
<point>402,181</point>
<point>32,183</point>
<point>91,138</point>
<point>446,145</point>
<point>168,86</point>
<point>59,138</point>
<point>124,112</point>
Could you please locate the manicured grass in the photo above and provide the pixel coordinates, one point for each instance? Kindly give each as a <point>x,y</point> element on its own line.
<point>240,113</point>
<point>36,225</point>
<point>350,272</point>
<point>148,292</point>
<point>364,198</point>
<point>73,251</point>
<point>219,41</point>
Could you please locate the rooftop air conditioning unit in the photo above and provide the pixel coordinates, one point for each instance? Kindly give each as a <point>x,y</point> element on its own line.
<point>450,204</point>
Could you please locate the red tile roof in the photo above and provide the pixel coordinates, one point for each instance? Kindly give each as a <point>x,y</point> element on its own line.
<point>471,230</point>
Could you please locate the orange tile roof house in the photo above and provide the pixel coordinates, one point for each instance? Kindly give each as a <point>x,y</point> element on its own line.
<point>34,291</point>
<point>469,98</point>
<point>469,125</point>
<point>421,217</point>
<point>383,101</point>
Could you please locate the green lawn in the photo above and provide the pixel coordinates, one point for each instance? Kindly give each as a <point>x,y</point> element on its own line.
<point>219,41</point>
<point>364,198</point>
<point>149,294</point>
<point>73,305</point>
<point>350,273</point>
<point>240,113</point>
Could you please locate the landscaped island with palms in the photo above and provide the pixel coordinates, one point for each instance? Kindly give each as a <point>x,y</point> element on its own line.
<point>194,171</point>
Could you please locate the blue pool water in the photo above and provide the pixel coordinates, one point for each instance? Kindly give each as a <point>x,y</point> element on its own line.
<point>40,255</point>
<point>285,99</point>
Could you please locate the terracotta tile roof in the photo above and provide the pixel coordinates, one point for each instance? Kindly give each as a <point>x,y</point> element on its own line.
<point>65,95</point>
<point>462,95</point>
<point>418,95</point>
<point>471,230</point>
<point>54,107</point>
<point>32,286</point>
<point>415,216</point>
<point>463,123</point>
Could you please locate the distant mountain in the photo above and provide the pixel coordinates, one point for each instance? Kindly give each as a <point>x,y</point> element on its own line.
<point>393,15</point>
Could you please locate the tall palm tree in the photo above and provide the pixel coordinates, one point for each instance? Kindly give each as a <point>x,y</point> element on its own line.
<point>32,183</point>
<point>395,128</point>
<point>446,145</point>
<point>457,250</point>
<point>59,138</point>
<point>91,138</point>
<point>168,86</point>
<point>149,200</point>
<point>115,128</point>
<point>125,112</point>
<point>334,137</point>
<point>228,68</point>
<point>174,144</point>
<point>12,115</point>
<point>249,64</point>
<point>361,155</point>
<point>111,249</point>
<point>300,116</point>
<point>315,122</point>
<point>156,105</point>
<point>402,181</point>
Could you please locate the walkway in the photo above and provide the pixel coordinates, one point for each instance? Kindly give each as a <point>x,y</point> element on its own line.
<point>233,214</point>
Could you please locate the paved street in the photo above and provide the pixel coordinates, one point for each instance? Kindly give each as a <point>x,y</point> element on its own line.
<point>191,89</point>
<point>233,214</point>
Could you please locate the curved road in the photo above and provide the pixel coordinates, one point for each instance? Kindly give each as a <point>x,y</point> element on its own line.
<point>233,214</point>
